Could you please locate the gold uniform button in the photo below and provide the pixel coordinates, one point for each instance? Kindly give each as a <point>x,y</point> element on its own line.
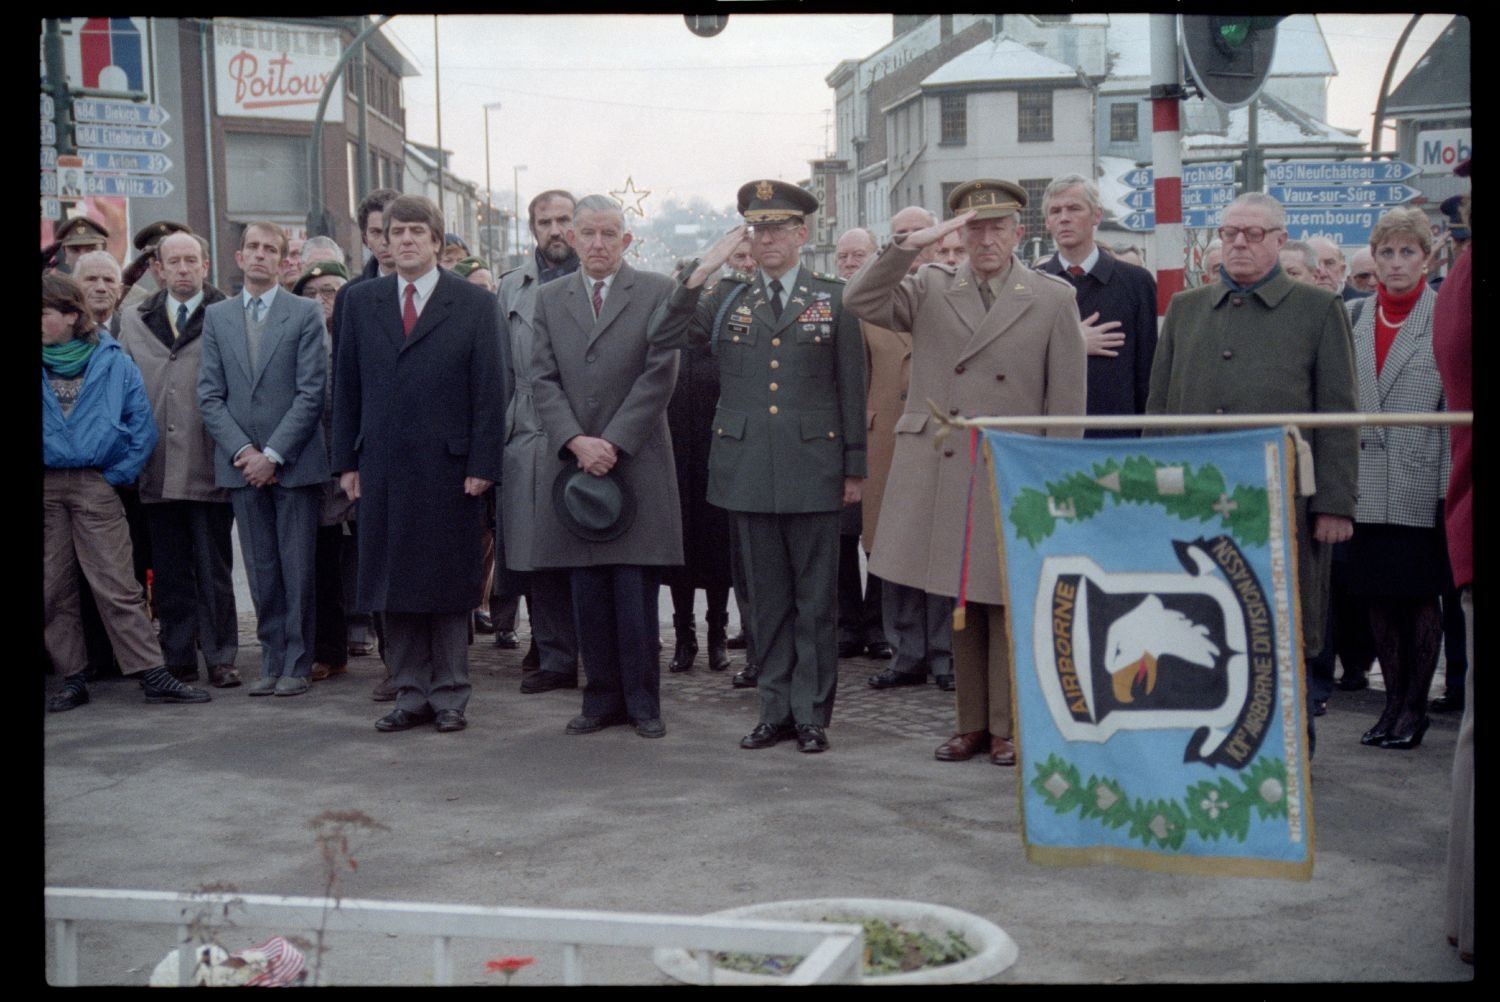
<point>774,387</point>
<point>817,339</point>
<point>735,338</point>
<point>721,431</point>
<point>776,342</point>
<point>775,364</point>
<point>830,434</point>
<point>773,409</point>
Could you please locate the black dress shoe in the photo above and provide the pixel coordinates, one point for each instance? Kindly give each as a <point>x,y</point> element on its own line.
<point>746,679</point>
<point>945,682</point>
<point>851,649</point>
<point>1408,741</point>
<point>1447,703</point>
<point>810,738</point>
<point>74,695</point>
<point>890,679</point>
<point>451,720</point>
<point>533,659</point>
<point>881,650</point>
<point>545,681</point>
<point>483,623</point>
<point>585,724</point>
<point>652,728</point>
<point>403,720</point>
<point>766,735</point>
<point>1354,683</point>
<point>507,640</point>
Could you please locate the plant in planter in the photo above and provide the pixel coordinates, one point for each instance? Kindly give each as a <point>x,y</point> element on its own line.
<point>889,949</point>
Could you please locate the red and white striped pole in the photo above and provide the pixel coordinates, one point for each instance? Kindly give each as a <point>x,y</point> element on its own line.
<point>1166,156</point>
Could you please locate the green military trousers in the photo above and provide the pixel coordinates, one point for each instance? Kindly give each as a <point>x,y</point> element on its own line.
<point>791,573</point>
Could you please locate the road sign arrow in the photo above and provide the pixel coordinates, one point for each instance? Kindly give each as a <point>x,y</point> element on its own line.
<point>1342,194</point>
<point>120,137</point>
<point>1338,171</point>
<point>126,162</point>
<point>110,112</point>
<point>129,185</point>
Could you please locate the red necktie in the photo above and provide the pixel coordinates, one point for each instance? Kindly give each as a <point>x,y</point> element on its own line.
<point>1075,271</point>
<point>598,298</point>
<point>409,311</point>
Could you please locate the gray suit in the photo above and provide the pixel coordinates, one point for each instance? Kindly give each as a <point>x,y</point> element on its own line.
<point>275,404</point>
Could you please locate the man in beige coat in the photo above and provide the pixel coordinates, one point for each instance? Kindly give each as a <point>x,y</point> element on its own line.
<point>989,337</point>
<point>189,518</point>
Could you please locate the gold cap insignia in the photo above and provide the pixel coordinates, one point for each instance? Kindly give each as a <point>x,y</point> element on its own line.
<point>763,190</point>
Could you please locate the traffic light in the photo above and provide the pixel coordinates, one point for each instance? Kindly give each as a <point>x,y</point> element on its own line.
<point>1229,56</point>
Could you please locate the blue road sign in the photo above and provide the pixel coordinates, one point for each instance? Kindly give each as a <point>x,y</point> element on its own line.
<point>110,112</point>
<point>1347,227</point>
<point>51,208</point>
<point>1342,194</point>
<point>1203,218</point>
<point>120,137</point>
<point>1338,171</point>
<point>125,162</point>
<point>49,109</point>
<point>1192,198</point>
<point>49,183</point>
<point>49,133</point>
<point>1193,174</point>
<point>129,185</point>
<point>49,157</point>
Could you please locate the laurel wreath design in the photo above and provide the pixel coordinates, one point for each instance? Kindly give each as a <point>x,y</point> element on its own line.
<point>1211,810</point>
<point>1242,512</point>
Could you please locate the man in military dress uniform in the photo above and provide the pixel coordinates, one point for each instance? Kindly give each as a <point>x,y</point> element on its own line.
<point>789,444</point>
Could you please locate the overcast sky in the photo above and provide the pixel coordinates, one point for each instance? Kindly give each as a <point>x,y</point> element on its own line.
<point>589,101</point>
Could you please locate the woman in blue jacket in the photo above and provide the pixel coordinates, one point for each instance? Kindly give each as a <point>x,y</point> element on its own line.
<point>97,432</point>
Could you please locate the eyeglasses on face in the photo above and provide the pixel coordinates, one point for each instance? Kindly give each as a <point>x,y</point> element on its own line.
<point>1252,234</point>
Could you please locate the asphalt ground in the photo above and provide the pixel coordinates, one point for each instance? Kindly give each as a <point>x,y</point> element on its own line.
<point>513,811</point>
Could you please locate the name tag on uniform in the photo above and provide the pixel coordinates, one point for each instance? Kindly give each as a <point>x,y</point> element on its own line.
<point>735,328</point>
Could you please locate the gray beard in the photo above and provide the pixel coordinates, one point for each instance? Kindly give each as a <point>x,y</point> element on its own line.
<point>556,253</point>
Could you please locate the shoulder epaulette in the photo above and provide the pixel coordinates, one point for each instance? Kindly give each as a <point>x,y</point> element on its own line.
<point>1051,277</point>
<point>828,278</point>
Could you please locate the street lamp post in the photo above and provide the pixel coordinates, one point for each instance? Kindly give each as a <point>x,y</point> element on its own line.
<point>489,192</point>
<point>516,188</point>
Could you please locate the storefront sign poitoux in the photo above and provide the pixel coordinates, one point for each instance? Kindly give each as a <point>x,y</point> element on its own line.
<point>263,69</point>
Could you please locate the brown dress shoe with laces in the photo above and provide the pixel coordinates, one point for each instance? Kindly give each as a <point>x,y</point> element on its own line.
<point>962,747</point>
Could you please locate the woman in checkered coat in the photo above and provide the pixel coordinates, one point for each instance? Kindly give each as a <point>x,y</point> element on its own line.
<point>1399,561</point>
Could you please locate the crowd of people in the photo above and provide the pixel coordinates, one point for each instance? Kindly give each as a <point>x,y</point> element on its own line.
<point>416,447</point>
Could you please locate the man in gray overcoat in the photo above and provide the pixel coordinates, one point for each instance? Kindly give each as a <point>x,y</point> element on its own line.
<point>601,394</point>
<point>525,487</point>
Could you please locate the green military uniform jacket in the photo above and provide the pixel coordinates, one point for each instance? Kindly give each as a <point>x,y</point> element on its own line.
<point>1283,348</point>
<point>790,425</point>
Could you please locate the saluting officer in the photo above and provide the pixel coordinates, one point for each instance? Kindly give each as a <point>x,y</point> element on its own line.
<point>789,444</point>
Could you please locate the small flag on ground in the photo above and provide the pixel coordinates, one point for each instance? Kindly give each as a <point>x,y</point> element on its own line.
<point>1155,640</point>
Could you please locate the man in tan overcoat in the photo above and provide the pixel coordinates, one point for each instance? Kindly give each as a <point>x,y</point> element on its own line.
<point>989,337</point>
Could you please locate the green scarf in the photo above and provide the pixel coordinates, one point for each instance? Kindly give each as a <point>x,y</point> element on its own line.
<point>68,359</point>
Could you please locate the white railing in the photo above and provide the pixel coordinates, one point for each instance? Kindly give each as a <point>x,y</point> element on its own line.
<point>832,952</point>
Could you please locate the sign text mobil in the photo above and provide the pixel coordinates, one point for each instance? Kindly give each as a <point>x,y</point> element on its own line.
<point>1440,151</point>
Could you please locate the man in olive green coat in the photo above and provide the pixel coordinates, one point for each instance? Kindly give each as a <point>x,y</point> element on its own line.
<point>1257,342</point>
<point>789,445</point>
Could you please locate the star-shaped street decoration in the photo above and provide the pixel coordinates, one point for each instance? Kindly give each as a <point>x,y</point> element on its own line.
<point>630,192</point>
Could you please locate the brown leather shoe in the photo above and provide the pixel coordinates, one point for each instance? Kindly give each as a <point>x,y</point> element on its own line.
<point>322,671</point>
<point>223,676</point>
<point>1002,751</point>
<point>385,691</point>
<point>962,747</point>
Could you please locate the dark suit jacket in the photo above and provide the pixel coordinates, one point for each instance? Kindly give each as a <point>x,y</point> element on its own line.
<point>279,405</point>
<point>1117,290</point>
<point>415,416</point>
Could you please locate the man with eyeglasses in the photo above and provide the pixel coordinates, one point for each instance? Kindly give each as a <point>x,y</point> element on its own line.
<point>1362,271</point>
<point>789,444</point>
<point>1257,342</point>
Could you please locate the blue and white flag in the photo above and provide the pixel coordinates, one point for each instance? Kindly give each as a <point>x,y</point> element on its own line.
<point>1156,650</point>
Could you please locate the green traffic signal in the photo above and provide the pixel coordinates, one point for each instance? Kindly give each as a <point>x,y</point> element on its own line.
<point>1233,32</point>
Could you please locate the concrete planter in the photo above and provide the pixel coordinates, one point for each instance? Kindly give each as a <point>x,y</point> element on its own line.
<point>994,950</point>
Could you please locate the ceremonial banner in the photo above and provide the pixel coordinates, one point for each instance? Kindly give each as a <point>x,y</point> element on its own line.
<point>1156,650</point>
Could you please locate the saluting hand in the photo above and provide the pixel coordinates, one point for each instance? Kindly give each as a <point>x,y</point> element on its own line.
<point>925,237</point>
<point>716,255</point>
